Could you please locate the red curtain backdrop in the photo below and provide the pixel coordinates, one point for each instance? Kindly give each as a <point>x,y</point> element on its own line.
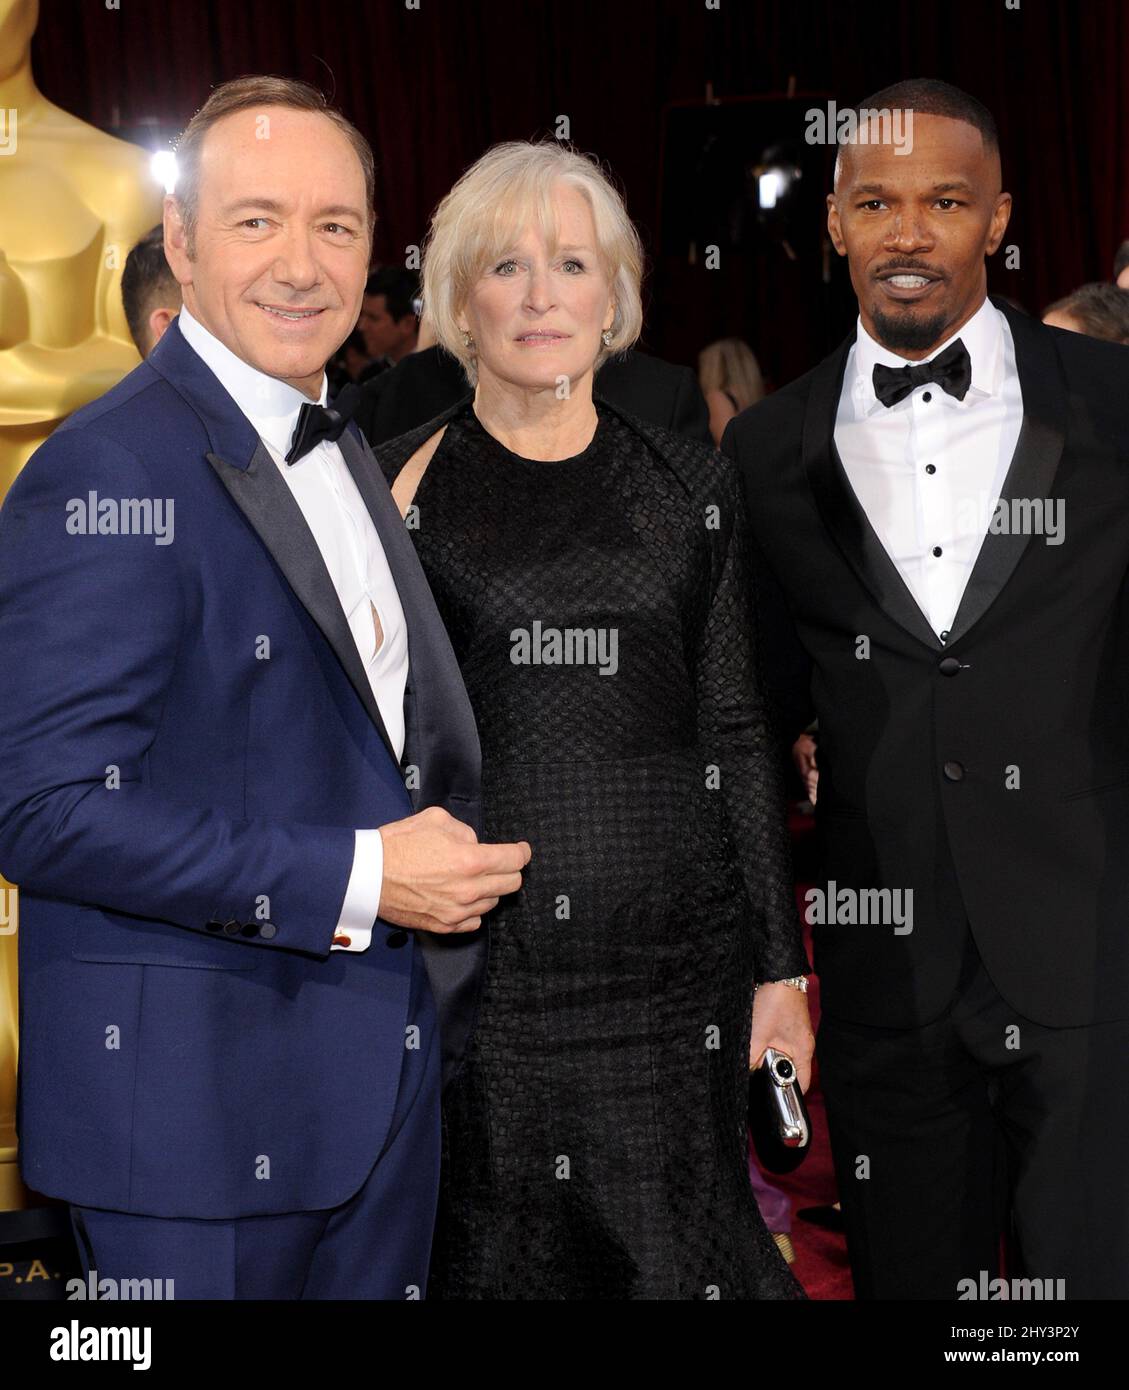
<point>434,86</point>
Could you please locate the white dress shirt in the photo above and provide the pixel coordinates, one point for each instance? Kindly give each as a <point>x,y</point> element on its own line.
<point>335,512</point>
<point>929,470</point>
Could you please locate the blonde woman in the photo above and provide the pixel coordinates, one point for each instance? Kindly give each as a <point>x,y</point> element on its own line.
<point>731,381</point>
<point>591,571</point>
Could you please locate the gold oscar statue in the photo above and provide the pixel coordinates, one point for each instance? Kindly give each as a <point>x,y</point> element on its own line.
<point>72,203</point>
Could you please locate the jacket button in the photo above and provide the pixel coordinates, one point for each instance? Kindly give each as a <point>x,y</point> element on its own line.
<point>397,939</point>
<point>249,929</point>
<point>232,928</point>
<point>949,666</point>
<point>954,771</point>
<point>267,930</point>
<point>214,926</point>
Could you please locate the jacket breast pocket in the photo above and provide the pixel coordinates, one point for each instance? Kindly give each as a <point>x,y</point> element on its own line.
<point>114,938</point>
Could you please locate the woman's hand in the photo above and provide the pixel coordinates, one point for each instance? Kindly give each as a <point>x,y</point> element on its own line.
<point>781,1020</point>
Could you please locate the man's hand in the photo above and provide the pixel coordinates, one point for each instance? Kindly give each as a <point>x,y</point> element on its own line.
<point>781,1020</point>
<point>803,755</point>
<point>438,878</point>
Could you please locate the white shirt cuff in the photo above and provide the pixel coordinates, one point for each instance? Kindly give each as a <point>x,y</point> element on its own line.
<point>362,894</point>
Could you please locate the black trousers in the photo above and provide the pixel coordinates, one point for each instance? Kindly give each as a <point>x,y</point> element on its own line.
<point>980,1121</point>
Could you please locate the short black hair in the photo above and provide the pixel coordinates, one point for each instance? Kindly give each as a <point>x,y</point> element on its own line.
<point>929,96</point>
<point>1121,260</point>
<point>399,287</point>
<point>1101,308</point>
<point>147,282</point>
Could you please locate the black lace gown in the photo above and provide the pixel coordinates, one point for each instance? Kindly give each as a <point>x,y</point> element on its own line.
<point>594,1141</point>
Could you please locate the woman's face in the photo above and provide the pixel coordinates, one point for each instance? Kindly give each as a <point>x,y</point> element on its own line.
<point>536,319</point>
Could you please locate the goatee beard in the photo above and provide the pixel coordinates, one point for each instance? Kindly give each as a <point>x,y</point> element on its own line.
<point>905,332</point>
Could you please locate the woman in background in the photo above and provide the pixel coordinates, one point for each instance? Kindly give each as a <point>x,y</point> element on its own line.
<point>731,381</point>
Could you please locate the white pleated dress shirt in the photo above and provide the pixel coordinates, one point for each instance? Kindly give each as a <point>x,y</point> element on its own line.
<point>335,512</point>
<point>929,471</point>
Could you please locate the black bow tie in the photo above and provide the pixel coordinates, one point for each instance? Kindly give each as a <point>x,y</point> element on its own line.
<point>951,370</point>
<point>318,422</point>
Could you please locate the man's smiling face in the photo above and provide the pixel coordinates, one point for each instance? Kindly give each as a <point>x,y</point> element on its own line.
<point>281,243</point>
<point>916,227</point>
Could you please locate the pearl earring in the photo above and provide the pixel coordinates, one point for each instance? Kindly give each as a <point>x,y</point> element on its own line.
<point>606,335</point>
<point>468,341</point>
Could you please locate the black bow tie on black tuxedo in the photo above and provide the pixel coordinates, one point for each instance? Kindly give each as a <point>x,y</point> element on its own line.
<point>951,370</point>
<point>318,422</point>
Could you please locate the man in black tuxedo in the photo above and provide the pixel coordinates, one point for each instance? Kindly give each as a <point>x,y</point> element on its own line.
<point>423,385</point>
<point>969,665</point>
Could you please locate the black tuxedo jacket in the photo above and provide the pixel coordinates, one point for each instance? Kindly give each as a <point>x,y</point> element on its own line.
<point>1005,748</point>
<point>425,384</point>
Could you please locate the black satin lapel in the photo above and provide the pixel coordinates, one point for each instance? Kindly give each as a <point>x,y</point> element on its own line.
<point>443,724</point>
<point>842,514</point>
<point>442,746</point>
<point>261,494</point>
<point>1033,465</point>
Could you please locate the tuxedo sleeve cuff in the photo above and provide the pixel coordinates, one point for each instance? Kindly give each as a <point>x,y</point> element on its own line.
<point>362,893</point>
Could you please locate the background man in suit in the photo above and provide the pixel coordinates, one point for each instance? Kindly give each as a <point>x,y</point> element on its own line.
<point>968,664</point>
<point>221,650</point>
<point>150,293</point>
<point>428,382</point>
<point>388,321</point>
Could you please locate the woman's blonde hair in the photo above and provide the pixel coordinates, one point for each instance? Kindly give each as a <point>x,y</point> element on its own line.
<point>730,365</point>
<point>494,201</point>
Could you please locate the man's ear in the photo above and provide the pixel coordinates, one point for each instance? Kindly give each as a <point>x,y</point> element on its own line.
<point>176,241</point>
<point>1001,216</point>
<point>834,229</point>
<point>159,320</point>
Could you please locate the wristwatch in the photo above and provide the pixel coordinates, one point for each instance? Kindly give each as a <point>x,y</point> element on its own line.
<point>799,982</point>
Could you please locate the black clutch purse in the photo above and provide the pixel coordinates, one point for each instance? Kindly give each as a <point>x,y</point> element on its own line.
<point>778,1117</point>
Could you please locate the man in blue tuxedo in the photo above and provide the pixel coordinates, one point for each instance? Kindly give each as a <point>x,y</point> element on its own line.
<point>239,762</point>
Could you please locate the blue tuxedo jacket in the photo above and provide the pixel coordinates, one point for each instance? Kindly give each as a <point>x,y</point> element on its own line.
<point>187,742</point>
